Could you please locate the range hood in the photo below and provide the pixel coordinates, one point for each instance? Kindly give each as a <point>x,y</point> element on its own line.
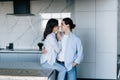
<point>21,8</point>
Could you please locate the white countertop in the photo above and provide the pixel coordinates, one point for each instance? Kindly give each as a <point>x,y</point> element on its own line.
<point>24,71</point>
<point>20,51</point>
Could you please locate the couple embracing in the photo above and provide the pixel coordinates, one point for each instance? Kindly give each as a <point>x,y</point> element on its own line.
<point>63,50</point>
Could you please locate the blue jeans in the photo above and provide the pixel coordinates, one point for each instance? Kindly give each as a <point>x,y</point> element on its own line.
<point>72,74</point>
<point>61,70</point>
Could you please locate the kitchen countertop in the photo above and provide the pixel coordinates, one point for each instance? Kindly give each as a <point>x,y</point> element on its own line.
<point>24,71</point>
<point>20,51</point>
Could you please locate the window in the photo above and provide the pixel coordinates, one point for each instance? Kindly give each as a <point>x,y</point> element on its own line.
<point>46,16</point>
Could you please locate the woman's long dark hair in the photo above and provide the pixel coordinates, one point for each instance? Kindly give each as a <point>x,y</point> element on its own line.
<point>70,22</point>
<point>49,27</point>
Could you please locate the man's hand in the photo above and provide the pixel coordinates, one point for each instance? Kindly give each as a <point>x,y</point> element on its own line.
<point>74,64</point>
<point>59,35</point>
<point>44,51</point>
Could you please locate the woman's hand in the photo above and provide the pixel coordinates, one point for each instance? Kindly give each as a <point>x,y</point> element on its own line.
<point>44,51</point>
<point>59,36</point>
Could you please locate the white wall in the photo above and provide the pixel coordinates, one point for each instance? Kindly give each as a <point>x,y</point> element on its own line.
<point>97,26</point>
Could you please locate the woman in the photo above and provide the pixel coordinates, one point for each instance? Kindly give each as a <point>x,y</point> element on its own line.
<point>48,60</point>
<point>71,52</point>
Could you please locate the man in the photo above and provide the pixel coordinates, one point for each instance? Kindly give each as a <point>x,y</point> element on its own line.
<point>72,51</point>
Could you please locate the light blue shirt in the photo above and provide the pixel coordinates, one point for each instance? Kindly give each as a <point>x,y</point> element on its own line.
<point>52,47</point>
<point>74,51</point>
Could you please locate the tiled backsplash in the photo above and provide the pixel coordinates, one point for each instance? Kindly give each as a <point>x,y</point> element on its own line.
<point>21,31</point>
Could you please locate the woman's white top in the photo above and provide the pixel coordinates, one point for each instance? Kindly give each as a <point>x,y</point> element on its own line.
<point>52,47</point>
